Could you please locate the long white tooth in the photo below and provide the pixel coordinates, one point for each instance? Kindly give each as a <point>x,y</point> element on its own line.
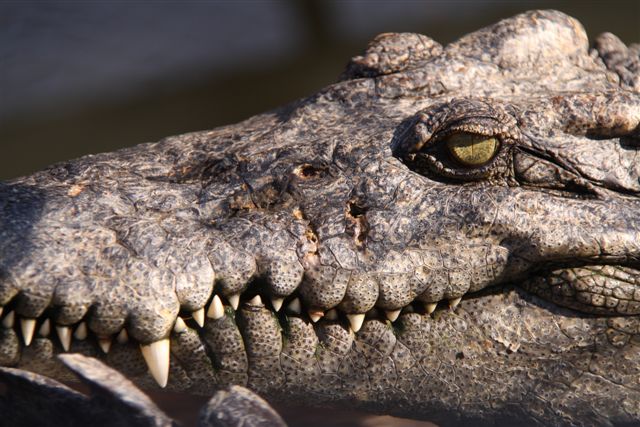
<point>315,315</point>
<point>257,301</point>
<point>234,300</point>
<point>216,309</point>
<point>64,335</point>
<point>294,306</point>
<point>356,321</point>
<point>331,314</point>
<point>81,332</point>
<point>105,344</point>
<point>392,315</point>
<point>198,316</point>
<point>276,303</point>
<point>28,327</point>
<point>454,302</point>
<point>9,320</point>
<point>45,328</point>
<point>430,307</point>
<point>156,355</point>
<point>122,337</point>
<point>180,326</point>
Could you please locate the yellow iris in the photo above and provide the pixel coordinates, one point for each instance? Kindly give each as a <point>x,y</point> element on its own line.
<point>472,149</point>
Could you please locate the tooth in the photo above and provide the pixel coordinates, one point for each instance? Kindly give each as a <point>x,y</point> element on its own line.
<point>257,301</point>
<point>392,315</point>
<point>156,355</point>
<point>294,306</point>
<point>216,309</point>
<point>234,300</point>
<point>430,307</point>
<point>180,326</point>
<point>28,327</point>
<point>315,315</point>
<point>198,316</point>
<point>331,314</point>
<point>105,344</point>
<point>122,337</point>
<point>454,302</point>
<point>45,328</point>
<point>64,335</point>
<point>276,303</point>
<point>1,310</point>
<point>355,320</point>
<point>9,320</point>
<point>81,332</point>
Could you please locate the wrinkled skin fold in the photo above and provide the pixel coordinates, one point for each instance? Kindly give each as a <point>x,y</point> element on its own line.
<point>343,250</point>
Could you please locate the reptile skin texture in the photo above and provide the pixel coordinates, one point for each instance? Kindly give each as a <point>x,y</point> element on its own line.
<point>449,233</point>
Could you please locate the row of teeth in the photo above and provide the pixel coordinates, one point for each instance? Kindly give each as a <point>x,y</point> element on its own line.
<point>157,354</point>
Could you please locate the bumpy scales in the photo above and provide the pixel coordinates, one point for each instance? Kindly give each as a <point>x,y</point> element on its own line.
<point>449,233</point>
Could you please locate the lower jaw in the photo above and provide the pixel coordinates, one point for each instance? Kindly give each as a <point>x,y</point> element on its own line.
<point>220,348</point>
<point>39,346</point>
<point>422,366</point>
<point>219,352</point>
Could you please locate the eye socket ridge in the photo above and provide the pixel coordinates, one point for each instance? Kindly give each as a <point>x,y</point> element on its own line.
<point>464,140</point>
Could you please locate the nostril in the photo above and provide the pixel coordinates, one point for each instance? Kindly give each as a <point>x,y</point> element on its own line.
<point>307,171</point>
<point>357,224</point>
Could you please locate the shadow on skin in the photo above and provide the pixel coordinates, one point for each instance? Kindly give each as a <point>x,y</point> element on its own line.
<point>20,208</point>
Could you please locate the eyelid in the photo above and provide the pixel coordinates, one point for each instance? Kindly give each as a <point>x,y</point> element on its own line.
<point>424,148</point>
<point>490,128</point>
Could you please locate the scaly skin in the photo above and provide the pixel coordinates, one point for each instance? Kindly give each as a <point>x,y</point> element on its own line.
<point>350,201</point>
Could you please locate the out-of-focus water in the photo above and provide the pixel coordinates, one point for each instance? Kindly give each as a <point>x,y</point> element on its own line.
<point>86,77</point>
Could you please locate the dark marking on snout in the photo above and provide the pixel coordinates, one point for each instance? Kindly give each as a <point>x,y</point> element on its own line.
<point>357,224</point>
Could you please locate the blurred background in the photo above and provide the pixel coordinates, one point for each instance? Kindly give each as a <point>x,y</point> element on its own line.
<point>80,77</point>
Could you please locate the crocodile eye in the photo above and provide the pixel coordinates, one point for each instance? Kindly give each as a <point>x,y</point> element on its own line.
<point>472,150</point>
<point>463,139</point>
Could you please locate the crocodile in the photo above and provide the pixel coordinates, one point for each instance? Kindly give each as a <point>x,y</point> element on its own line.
<point>447,233</point>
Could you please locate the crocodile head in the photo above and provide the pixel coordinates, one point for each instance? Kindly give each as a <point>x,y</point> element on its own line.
<point>449,233</point>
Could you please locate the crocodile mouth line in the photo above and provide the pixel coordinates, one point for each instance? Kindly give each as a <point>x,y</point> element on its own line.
<point>599,289</point>
<point>20,331</point>
<point>594,288</point>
